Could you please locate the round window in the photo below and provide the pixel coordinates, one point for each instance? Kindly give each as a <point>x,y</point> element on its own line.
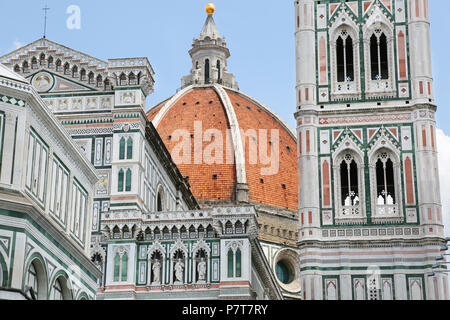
<point>284,272</point>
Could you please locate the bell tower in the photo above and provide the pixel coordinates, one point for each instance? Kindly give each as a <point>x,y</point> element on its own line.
<point>370,209</point>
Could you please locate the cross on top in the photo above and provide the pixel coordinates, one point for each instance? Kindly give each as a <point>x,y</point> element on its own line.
<point>46,8</point>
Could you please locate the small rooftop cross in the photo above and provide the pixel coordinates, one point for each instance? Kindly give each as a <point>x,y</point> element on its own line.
<point>46,8</point>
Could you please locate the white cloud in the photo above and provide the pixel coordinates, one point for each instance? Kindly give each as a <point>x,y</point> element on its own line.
<point>444,171</point>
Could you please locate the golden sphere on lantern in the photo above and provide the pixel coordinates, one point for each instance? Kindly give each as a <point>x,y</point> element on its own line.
<point>210,8</point>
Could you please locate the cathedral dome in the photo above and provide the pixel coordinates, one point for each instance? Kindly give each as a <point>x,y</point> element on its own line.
<point>231,147</point>
<point>264,170</point>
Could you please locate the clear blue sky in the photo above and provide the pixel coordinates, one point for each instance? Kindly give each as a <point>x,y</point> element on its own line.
<point>260,35</point>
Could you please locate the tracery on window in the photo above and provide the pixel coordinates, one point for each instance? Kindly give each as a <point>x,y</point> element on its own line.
<point>349,186</point>
<point>345,57</point>
<point>385,185</point>
<point>379,55</point>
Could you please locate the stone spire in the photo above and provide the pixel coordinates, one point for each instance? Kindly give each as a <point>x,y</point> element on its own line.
<point>210,29</point>
<point>209,55</point>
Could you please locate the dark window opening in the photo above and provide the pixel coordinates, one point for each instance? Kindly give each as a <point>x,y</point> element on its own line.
<point>374,56</point>
<point>385,181</point>
<point>349,183</point>
<point>379,57</point>
<point>340,60</point>
<point>159,203</point>
<point>384,57</point>
<point>207,71</point>
<point>345,59</point>
<point>349,59</point>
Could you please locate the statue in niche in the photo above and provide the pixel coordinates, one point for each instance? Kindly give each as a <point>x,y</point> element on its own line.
<point>196,75</point>
<point>179,271</point>
<point>156,268</point>
<point>201,268</point>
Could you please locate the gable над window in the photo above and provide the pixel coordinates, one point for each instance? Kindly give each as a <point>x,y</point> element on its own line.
<point>344,68</point>
<point>379,53</point>
<point>349,190</point>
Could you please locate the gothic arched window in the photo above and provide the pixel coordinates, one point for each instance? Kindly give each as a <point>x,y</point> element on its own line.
<point>58,65</point>
<point>108,84</point>
<point>238,263</point>
<point>345,58</point>
<point>83,75</point>
<point>124,267</point>
<point>230,263</point>
<point>120,182</point>
<point>117,268</point>
<point>160,201</point>
<point>132,79</point>
<point>228,228</point>
<point>99,81</point>
<point>139,77</point>
<point>379,56</point>
<point>207,71</point>
<point>210,232</point>
<point>157,233</point>
<point>128,181</point>
<point>33,279</point>
<point>348,170</point>
<point>385,172</point>
<point>25,67</point>
<point>91,78</point>
<point>122,149</point>
<point>349,182</point>
<point>385,180</point>
<point>57,291</point>
<point>42,60</point>
<point>121,267</point>
<point>34,63</point>
<point>75,72</point>
<point>175,234</point>
<point>67,69</point>
<point>123,80</point>
<point>130,148</point>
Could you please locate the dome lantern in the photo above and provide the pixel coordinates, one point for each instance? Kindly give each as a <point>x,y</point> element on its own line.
<point>209,55</point>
